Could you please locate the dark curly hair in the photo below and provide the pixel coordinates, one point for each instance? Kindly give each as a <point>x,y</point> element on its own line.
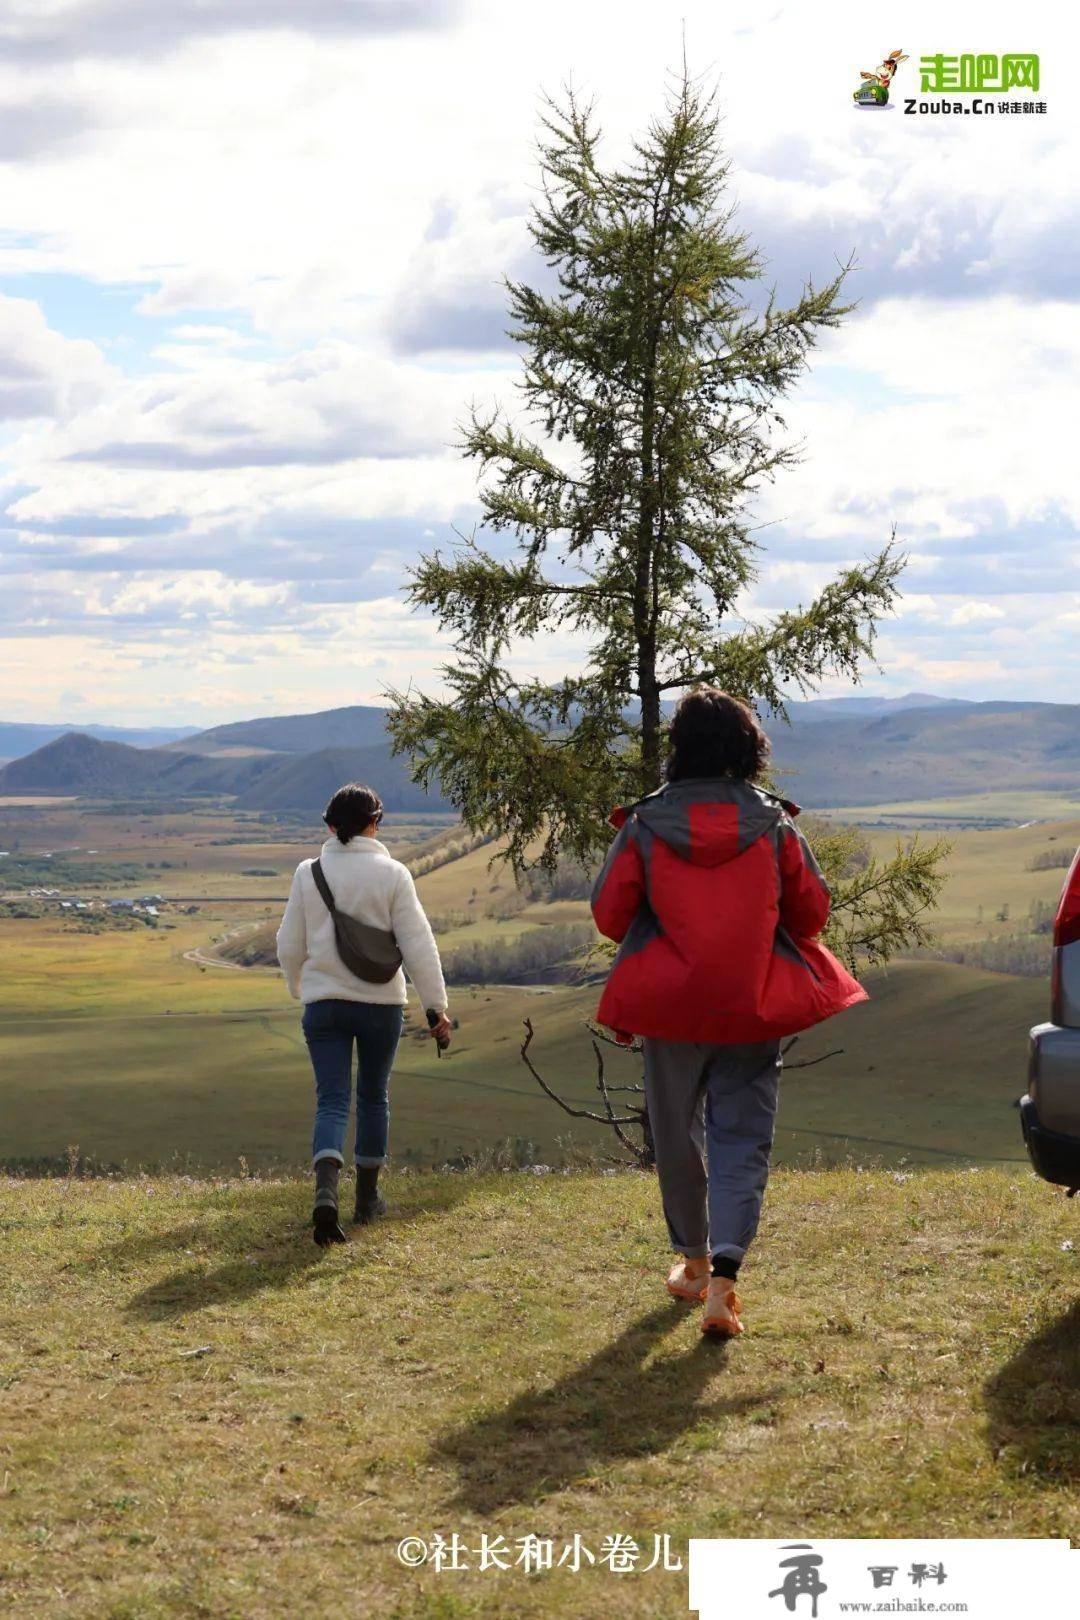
<point>352,810</point>
<point>715,734</point>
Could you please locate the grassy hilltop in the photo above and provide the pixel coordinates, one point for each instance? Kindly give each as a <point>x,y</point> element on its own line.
<point>201,1414</point>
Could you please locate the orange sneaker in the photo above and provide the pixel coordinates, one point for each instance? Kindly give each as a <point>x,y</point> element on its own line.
<point>689,1278</point>
<point>722,1307</point>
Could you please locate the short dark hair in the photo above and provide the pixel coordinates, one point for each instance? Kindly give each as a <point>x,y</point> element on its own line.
<point>715,734</point>
<point>352,809</point>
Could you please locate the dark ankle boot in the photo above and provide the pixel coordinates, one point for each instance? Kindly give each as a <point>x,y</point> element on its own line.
<point>324,1217</point>
<point>369,1205</point>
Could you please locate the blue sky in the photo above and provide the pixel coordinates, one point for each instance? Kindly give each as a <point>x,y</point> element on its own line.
<point>250,281</point>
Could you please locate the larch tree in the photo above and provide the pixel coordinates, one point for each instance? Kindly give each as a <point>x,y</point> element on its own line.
<point>653,385</point>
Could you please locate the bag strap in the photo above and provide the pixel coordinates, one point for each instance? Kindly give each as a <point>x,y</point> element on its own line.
<point>323,887</point>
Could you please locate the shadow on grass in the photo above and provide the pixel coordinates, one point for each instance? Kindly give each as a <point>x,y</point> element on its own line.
<point>613,1406</point>
<point>261,1239</point>
<point>1033,1404</point>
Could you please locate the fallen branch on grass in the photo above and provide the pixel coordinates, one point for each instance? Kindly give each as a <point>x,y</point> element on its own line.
<point>643,1155</point>
<point>806,1063</point>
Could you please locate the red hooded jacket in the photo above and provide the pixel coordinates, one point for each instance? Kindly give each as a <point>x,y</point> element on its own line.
<point>716,901</point>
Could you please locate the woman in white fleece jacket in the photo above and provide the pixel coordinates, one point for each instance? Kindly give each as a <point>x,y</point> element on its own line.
<point>342,1010</point>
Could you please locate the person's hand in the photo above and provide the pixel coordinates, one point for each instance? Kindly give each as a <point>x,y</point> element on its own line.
<point>442,1030</point>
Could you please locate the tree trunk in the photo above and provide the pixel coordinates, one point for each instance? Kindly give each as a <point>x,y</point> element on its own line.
<point>644,603</point>
<point>650,717</point>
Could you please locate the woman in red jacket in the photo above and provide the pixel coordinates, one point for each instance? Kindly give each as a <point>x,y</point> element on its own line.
<point>716,901</point>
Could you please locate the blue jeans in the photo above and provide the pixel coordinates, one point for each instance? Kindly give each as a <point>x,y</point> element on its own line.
<point>330,1029</point>
<point>713,1115</point>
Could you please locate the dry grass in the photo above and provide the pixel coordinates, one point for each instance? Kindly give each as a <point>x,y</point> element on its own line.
<point>499,1357</point>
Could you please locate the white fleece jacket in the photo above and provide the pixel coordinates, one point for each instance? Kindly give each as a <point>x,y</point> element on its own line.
<point>367,883</point>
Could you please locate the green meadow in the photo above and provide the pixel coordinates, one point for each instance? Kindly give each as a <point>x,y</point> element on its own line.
<point>148,1046</point>
<point>1003,808</point>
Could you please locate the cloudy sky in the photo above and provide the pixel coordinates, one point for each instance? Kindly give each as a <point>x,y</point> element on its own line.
<point>250,282</point>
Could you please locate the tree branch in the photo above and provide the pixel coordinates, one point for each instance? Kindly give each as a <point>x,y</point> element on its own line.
<point>615,1124</point>
<point>575,1113</point>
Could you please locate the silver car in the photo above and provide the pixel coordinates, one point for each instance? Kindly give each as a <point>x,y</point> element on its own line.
<point>1050,1113</point>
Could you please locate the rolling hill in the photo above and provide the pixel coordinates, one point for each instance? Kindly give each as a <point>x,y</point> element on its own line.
<point>304,782</point>
<point>85,767</point>
<point>79,764</point>
<point>360,726</point>
<point>931,753</point>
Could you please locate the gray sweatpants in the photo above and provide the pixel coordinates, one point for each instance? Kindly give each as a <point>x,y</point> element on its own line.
<point>713,1112</point>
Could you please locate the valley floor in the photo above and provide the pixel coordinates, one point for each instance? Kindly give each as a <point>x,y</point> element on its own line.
<point>201,1414</point>
<point>135,1047</point>
<point>927,1071</point>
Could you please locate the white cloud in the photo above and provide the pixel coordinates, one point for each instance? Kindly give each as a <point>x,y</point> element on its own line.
<point>959,677</point>
<point>976,613</point>
<point>34,31</point>
<point>313,220</point>
<point>302,180</point>
<point>42,372</point>
<point>204,594</point>
<point>951,421</point>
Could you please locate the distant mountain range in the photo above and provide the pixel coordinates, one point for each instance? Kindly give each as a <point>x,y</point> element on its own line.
<point>362,726</point>
<point>840,751</point>
<point>17,738</point>
<point>934,753</point>
<point>865,708</point>
<point>291,763</point>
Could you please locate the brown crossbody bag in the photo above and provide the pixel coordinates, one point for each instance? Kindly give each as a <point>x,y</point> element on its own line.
<point>370,953</point>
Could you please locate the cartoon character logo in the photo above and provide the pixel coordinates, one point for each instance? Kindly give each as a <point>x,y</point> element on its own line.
<point>874,90</point>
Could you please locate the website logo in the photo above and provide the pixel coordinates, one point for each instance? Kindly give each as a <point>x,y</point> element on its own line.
<point>971,82</point>
<point>874,90</point>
